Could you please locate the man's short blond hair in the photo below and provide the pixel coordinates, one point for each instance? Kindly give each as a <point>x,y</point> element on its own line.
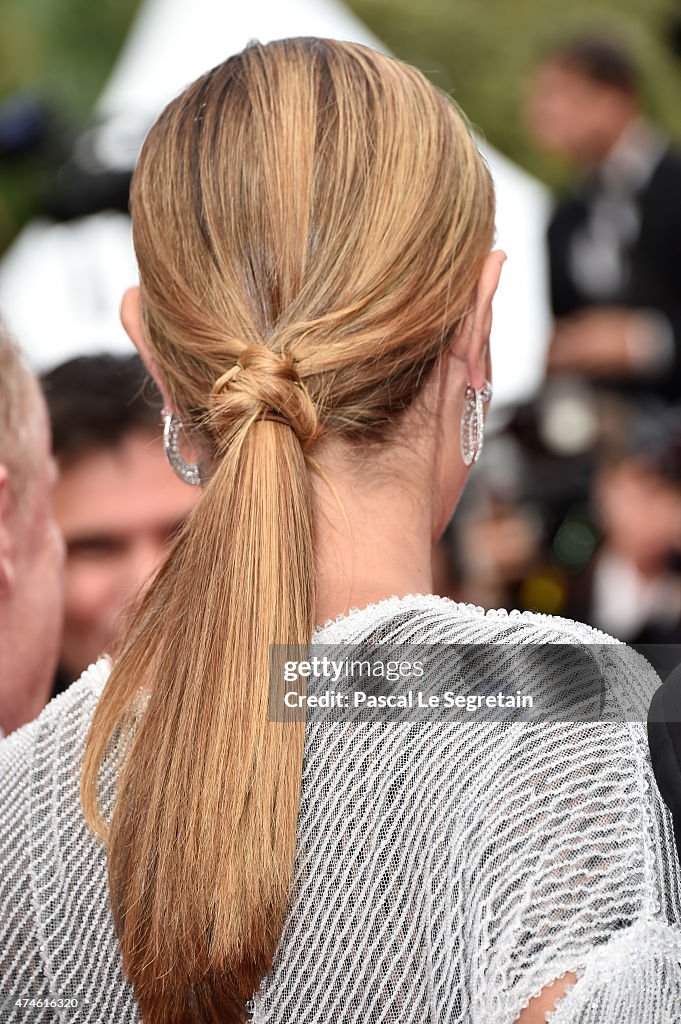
<point>18,392</point>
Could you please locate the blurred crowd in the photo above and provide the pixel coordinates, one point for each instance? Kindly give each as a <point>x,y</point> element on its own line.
<point>573,510</point>
<point>575,507</point>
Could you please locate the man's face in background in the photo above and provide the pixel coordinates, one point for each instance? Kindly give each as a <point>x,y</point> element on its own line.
<point>575,117</point>
<point>118,507</point>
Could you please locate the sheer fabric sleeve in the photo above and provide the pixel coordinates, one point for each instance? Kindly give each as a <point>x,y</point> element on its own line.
<point>573,869</point>
<point>57,942</point>
<point>22,971</point>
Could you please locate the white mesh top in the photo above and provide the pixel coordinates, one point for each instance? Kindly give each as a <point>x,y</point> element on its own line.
<point>445,872</point>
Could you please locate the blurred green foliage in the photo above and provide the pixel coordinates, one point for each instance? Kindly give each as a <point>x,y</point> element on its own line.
<point>60,52</point>
<point>481,51</point>
<point>64,48</point>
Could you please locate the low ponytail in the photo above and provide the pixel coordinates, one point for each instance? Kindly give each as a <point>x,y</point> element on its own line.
<point>202,837</point>
<point>310,220</point>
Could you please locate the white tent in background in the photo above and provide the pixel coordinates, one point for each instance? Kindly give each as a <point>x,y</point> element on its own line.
<point>60,284</point>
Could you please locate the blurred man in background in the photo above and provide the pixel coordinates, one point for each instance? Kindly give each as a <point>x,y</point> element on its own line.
<point>615,243</point>
<point>117,500</point>
<point>614,359</point>
<point>31,547</point>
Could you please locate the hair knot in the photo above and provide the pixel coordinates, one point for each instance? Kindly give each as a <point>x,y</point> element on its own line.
<point>263,385</point>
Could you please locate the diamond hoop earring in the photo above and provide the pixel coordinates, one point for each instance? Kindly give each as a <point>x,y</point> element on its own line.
<point>473,423</point>
<point>187,471</point>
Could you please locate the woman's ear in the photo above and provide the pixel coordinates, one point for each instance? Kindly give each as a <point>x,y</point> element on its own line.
<point>478,329</point>
<point>131,318</point>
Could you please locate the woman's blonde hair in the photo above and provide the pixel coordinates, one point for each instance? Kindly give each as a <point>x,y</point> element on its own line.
<point>310,220</point>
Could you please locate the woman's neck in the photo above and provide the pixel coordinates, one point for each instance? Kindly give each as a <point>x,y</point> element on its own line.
<point>383,549</point>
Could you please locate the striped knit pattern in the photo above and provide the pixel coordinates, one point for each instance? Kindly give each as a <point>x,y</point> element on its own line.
<point>445,871</point>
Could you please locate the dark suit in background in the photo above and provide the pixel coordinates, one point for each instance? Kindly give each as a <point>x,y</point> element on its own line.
<point>616,242</point>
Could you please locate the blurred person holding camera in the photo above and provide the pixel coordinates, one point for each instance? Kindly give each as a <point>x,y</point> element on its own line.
<point>635,578</point>
<point>614,360</point>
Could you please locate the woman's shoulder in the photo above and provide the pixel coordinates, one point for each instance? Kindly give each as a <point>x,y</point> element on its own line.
<point>432,617</point>
<point>506,624</point>
<point>552,648</point>
<point>626,681</point>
